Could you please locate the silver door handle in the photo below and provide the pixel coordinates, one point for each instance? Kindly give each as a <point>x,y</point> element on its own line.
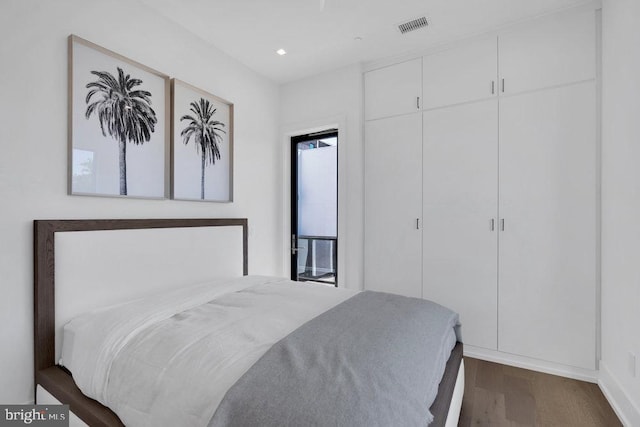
<point>502,224</point>
<point>493,87</point>
<point>417,223</point>
<point>493,224</point>
<point>294,249</point>
<point>418,102</point>
<point>502,85</point>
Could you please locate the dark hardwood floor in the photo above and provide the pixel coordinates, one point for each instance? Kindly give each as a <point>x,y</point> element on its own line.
<point>499,395</point>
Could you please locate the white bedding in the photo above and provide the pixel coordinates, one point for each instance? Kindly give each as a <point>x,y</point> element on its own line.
<point>198,340</point>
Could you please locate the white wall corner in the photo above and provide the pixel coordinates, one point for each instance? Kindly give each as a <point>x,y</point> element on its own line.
<point>623,406</point>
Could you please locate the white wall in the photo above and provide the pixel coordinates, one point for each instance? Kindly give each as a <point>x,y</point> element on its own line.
<point>331,99</point>
<point>33,137</point>
<point>621,205</point>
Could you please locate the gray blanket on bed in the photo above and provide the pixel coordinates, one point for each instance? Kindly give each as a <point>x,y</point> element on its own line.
<point>373,360</point>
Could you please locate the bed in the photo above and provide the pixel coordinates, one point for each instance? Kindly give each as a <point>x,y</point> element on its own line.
<point>84,265</point>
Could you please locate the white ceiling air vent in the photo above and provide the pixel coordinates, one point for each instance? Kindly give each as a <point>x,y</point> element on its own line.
<point>414,24</point>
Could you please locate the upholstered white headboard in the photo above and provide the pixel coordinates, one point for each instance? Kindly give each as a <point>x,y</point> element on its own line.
<point>84,265</point>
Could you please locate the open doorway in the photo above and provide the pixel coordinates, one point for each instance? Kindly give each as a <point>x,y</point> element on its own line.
<point>314,207</point>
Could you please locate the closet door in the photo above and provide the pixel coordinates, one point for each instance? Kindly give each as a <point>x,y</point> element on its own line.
<point>393,90</point>
<point>393,188</point>
<point>548,52</point>
<point>547,251</point>
<point>467,72</point>
<point>460,203</point>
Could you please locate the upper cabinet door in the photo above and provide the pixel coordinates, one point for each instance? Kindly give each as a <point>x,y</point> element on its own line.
<point>547,52</point>
<point>464,73</point>
<point>393,90</point>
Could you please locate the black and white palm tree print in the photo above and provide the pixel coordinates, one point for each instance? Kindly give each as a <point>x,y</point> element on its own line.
<point>206,133</point>
<point>123,111</point>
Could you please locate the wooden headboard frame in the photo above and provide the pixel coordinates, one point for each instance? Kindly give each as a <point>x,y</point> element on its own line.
<point>57,381</point>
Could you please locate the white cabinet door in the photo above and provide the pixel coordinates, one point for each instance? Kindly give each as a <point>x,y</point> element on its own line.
<point>393,188</point>
<point>464,73</point>
<point>547,251</point>
<point>393,90</point>
<point>549,51</point>
<point>460,204</point>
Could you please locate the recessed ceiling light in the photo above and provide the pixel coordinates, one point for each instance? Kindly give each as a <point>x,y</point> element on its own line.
<point>281,52</point>
<point>358,39</point>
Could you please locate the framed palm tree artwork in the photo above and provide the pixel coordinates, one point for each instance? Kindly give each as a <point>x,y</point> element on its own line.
<point>201,145</point>
<point>119,124</point>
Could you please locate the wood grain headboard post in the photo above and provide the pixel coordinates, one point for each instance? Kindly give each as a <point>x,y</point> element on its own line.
<point>43,297</point>
<point>44,268</point>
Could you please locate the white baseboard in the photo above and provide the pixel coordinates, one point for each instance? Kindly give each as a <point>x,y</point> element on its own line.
<point>532,364</point>
<point>624,408</point>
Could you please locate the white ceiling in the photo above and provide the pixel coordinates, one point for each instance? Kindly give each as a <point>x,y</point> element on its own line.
<point>319,35</point>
